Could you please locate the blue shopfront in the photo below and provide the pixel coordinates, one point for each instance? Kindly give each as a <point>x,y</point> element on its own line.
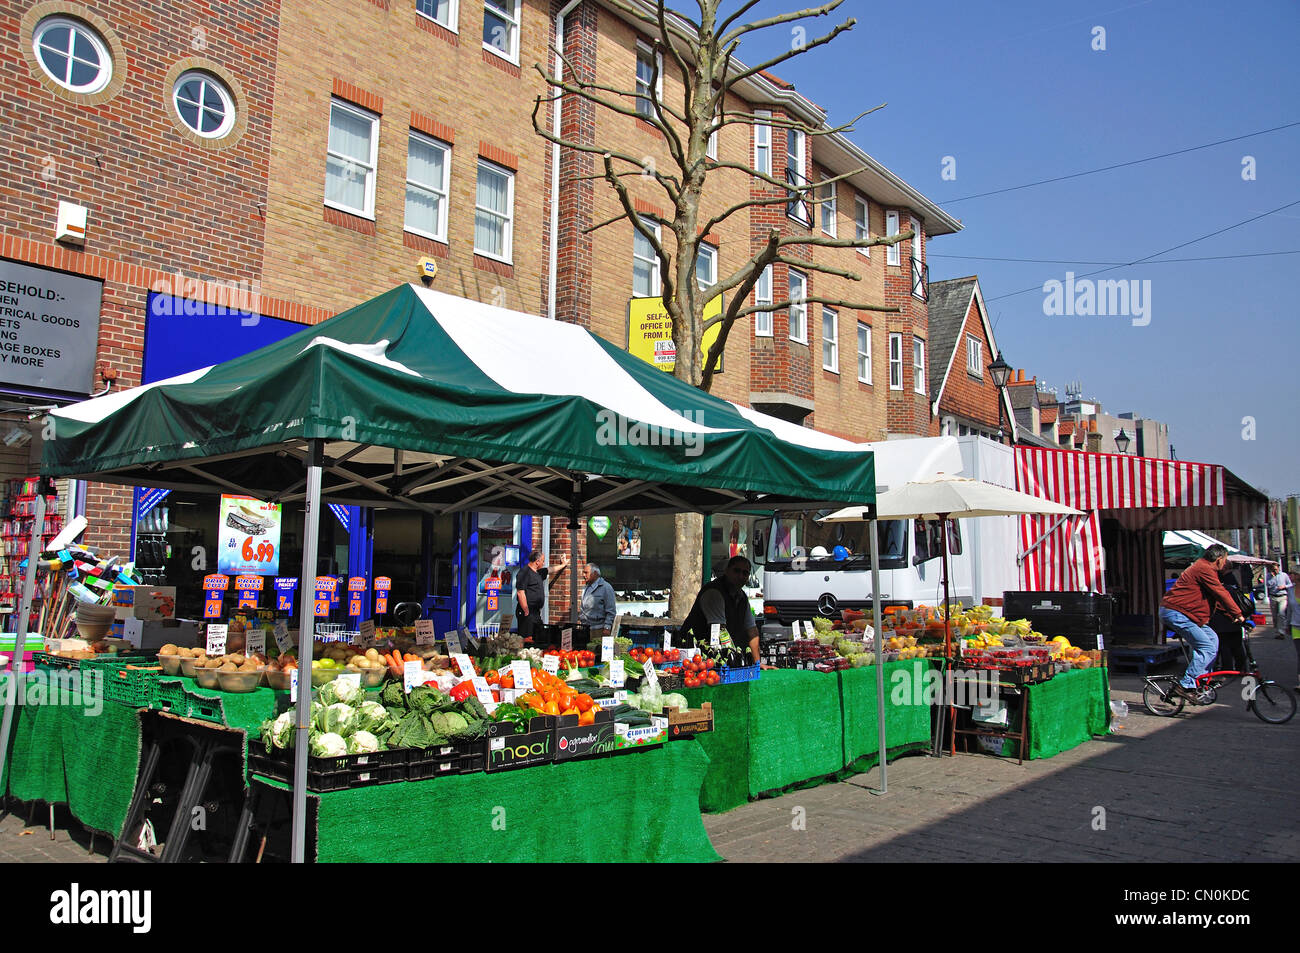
<point>453,569</point>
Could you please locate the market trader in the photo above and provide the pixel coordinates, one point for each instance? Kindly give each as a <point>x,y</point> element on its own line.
<point>530,592</point>
<point>598,604</point>
<point>723,601</point>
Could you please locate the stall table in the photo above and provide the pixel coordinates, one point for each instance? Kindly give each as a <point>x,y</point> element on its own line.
<point>1061,713</point>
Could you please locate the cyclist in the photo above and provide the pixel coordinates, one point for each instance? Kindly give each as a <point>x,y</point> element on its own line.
<point>1186,609</point>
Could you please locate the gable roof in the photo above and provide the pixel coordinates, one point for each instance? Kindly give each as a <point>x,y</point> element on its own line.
<point>949,304</point>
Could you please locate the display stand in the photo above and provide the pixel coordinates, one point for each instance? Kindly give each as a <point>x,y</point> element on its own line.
<point>1020,736</point>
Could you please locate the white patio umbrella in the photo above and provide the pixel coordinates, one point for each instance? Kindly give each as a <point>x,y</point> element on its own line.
<point>942,497</point>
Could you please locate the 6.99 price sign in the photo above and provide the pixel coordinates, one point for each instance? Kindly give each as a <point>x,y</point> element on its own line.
<point>249,537</point>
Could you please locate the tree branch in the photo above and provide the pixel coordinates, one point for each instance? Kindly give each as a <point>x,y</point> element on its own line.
<point>777,20</point>
<point>629,210</point>
<point>791,54</point>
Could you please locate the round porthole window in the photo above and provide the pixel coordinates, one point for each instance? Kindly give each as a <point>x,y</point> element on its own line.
<point>72,54</point>
<point>204,104</point>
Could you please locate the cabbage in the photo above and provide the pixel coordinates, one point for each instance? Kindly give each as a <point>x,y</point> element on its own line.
<point>372,717</point>
<point>339,719</point>
<point>349,692</point>
<point>328,745</point>
<point>363,742</point>
<point>673,700</point>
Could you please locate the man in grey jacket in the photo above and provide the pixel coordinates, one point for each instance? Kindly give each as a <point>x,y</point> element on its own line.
<point>598,609</point>
<point>1280,592</point>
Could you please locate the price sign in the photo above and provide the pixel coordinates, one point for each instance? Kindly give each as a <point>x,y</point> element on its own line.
<point>285,587</point>
<point>353,677</point>
<point>293,685</point>
<point>383,585</point>
<point>484,693</point>
<point>357,587</point>
<point>668,640</point>
<point>566,640</point>
<point>322,609</point>
<point>464,664</point>
<point>715,635</point>
<point>523,673</point>
<point>453,642</point>
<point>617,673</point>
<point>282,640</point>
<point>367,633</point>
<point>214,588</point>
<point>607,649</point>
<point>217,638</point>
<point>651,676</point>
<point>412,675</point>
<point>249,540</point>
<point>795,630</point>
<point>1101,643</point>
<point>551,663</point>
<point>255,641</point>
<point>809,630</point>
<point>424,631</point>
<point>248,588</point>
<point>619,698</point>
<point>216,582</point>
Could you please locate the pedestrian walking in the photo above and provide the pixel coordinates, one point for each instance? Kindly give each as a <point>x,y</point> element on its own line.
<point>1281,589</point>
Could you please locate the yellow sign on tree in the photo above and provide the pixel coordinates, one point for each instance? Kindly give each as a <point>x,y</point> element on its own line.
<point>650,332</point>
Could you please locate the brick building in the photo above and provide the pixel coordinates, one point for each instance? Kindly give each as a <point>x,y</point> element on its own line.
<point>962,346</point>
<point>248,169</point>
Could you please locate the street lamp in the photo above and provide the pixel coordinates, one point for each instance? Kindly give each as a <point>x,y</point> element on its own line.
<point>1122,441</point>
<point>1000,371</point>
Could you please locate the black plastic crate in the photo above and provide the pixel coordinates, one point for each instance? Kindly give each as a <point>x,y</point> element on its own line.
<point>447,767</point>
<point>328,774</point>
<point>1022,604</point>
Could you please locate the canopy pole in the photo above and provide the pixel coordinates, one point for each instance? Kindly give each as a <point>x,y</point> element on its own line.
<point>575,507</point>
<point>946,707</point>
<point>306,632</point>
<point>15,683</point>
<point>878,644</point>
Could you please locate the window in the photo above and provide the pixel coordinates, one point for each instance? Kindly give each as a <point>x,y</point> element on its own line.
<point>763,142</point>
<point>862,223</point>
<point>918,365</point>
<point>798,307</point>
<point>204,104</point>
<point>350,160</point>
<point>916,241</point>
<point>763,298</point>
<point>647,62</point>
<point>864,353</point>
<point>975,356</point>
<point>428,168</point>
<point>72,54</point>
<point>831,340</point>
<point>494,205</point>
<point>828,208</point>
<point>895,362</point>
<point>891,229</point>
<point>711,150</point>
<point>645,263</point>
<point>706,267</point>
<point>439,11</point>
<point>796,175</point>
<point>501,28</point>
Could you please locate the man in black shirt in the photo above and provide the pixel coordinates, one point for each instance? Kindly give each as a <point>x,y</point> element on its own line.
<point>723,601</point>
<point>530,592</point>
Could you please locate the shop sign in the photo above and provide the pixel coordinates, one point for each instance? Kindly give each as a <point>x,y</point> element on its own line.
<point>214,589</point>
<point>285,587</point>
<point>249,534</point>
<point>650,332</point>
<point>383,586</point>
<point>356,595</point>
<point>49,328</point>
<point>247,589</point>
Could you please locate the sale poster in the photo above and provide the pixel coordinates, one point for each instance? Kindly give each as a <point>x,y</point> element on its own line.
<point>249,535</point>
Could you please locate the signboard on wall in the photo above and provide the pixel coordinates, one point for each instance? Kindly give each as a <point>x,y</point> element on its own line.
<point>650,332</point>
<point>49,328</point>
<point>249,534</point>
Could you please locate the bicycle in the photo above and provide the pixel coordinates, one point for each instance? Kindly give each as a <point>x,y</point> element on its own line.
<point>1272,703</point>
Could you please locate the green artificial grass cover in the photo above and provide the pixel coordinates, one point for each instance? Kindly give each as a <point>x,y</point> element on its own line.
<point>1067,710</point>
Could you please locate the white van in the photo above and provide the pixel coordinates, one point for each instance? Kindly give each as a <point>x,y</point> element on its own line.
<point>815,568</point>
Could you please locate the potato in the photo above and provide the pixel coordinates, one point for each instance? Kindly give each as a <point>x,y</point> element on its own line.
<point>169,649</point>
<point>228,667</point>
<point>372,654</point>
<point>213,663</point>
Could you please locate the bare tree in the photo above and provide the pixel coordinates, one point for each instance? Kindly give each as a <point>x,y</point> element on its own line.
<point>702,56</point>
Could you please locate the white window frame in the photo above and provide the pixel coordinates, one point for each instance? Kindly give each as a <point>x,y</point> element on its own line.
<point>763,296</point>
<point>797,175</point>
<point>916,240</point>
<point>512,17</point>
<point>862,222</point>
<point>763,141</point>
<point>709,253</point>
<point>918,365</point>
<point>223,93</point>
<point>453,15</point>
<point>975,356</point>
<point>832,339</point>
<point>829,206</point>
<point>656,277</point>
<point>508,238</point>
<point>894,255</point>
<point>798,304</point>
<point>711,149</point>
<point>864,357</point>
<point>105,74</point>
<point>642,47</point>
<point>442,190</point>
<point>371,169</point>
<point>895,361</point>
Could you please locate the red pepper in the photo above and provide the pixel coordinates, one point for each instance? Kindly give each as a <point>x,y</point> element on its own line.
<point>462,691</point>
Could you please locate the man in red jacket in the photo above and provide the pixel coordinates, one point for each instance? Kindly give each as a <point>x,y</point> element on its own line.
<point>1186,608</point>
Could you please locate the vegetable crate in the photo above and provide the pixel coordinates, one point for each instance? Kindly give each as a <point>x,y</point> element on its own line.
<point>169,694</point>
<point>685,723</point>
<point>506,750</point>
<point>628,738</point>
<point>330,774</point>
<point>734,676</point>
<point>204,708</point>
<point>574,741</point>
<point>445,761</point>
<point>45,660</point>
<point>128,683</point>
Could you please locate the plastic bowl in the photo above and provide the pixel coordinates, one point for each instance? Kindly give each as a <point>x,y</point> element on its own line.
<point>323,676</point>
<point>239,682</point>
<point>276,680</point>
<point>207,678</point>
<point>93,631</point>
<point>370,677</point>
<point>171,664</point>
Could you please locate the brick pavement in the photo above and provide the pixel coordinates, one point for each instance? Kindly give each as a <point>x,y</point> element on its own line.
<point>1218,772</point>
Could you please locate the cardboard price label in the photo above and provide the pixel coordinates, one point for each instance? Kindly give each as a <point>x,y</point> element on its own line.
<point>668,640</point>
<point>464,664</point>
<point>424,632</point>
<point>412,675</point>
<point>795,629</point>
<point>453,642</point>
<point>523,673</point>
<point>715,635</point>
<point>255,641</point>
<point>484,693</point>
<point>651,676</point>
<point>368,633</point>
<point>566,640</point>
<point>133,631</point>
<point>217,638</point>
<point>282,640</point>
<point>617,673</point>
<point>293,686</point>
<point>607,649</point>
<point>551,664</point>
<point>809,630</point>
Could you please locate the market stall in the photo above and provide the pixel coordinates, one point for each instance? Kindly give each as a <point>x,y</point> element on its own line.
<point>422,400</point>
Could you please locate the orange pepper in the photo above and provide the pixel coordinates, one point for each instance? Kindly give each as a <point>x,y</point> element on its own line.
<point>550,708</point>
<point>584,703</point>
<point>508,680</point>
<point>587,717</point>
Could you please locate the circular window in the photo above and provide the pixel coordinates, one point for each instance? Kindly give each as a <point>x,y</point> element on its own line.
<point>204,104</point>
<point>72,54</point>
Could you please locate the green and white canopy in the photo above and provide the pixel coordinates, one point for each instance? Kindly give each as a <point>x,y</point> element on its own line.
<point>439,403</point>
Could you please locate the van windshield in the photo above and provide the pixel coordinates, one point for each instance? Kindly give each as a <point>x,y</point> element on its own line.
<point>800,534</point>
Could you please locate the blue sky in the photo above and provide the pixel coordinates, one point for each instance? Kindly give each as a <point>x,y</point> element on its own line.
<point>1014,92</point>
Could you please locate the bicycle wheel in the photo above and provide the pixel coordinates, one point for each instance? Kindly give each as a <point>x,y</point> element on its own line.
<point>1159,697</point>
<point>1273,703</point>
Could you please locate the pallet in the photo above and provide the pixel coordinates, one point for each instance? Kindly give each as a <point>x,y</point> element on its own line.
<point>1140,658</point>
